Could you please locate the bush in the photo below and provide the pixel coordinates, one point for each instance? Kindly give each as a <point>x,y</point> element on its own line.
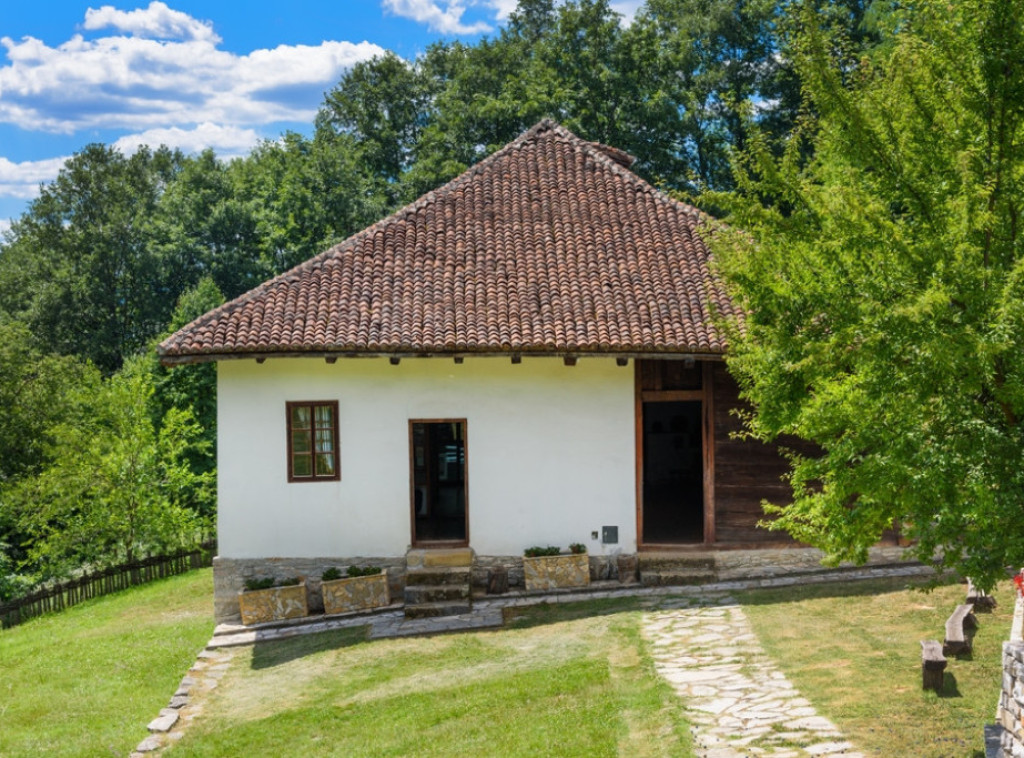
<point>577,548</point>
<point>331,574</point>
<point>537,551</point>
<point>263,583</point>
<point>368,571</point>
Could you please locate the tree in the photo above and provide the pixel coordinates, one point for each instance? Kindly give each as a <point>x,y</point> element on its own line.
<point>191,389</point>
<point>115,486</point>
<point>78,268</point>
<point>883,282</point>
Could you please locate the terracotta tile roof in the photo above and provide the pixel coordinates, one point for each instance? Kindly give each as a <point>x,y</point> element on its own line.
<point>548,246</point>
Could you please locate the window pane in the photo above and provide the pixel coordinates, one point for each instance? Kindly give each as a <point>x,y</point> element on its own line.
<point>325,464</point>
<point>301,442</point>
<point>300,417</point>
<point>324,440</point>
<point>324,415</point>
<point>302,465</point>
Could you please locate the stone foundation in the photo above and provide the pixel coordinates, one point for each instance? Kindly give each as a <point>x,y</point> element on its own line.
<point>1010,713</point>
<point>756,564</point>
<point>229,574</point>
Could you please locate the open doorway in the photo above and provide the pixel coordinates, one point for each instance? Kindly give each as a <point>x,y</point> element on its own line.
<point>438,463</point>
<point>673,472</point>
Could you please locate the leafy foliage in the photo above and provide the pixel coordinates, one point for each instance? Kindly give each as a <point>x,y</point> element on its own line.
<point>114,485</point>
<point>883,282</point>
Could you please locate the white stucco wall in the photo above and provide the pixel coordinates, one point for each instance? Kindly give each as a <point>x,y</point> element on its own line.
<point>550,454</point>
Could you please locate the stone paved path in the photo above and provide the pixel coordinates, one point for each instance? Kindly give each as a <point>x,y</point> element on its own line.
<point>738,703</point>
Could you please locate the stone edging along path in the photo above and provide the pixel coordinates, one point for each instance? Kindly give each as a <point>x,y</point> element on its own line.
<point>738,703</point>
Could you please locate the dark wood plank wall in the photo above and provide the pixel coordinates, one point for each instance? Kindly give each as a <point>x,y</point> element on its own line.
<point>746,472</point>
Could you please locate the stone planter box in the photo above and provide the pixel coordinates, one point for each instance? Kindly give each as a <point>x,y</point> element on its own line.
<point>355,593</point>
<point>273,604</point>
<point>549,572</point>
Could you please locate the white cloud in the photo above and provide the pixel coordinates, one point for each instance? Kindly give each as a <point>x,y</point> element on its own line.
<point>21,180</point>
<point>447,19</point>
<point>227,141</point>
<point>132,82</point>
<point>503,8</point>
<point>155,22</point>
<point>5,225</point>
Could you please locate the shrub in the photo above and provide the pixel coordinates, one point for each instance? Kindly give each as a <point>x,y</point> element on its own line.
<point>262,583</point>
<point>537,551</point>
<point>577,548</point>
<point>331,574</point>
<point>368,571</point>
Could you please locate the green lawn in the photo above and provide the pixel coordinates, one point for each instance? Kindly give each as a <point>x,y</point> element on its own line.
<point>853,651</point>
<point>559,681</point>
<point>86,682</point>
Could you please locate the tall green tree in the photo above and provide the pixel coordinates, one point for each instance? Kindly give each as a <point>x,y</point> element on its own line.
<point>883,283</point>
<point>78,268</point>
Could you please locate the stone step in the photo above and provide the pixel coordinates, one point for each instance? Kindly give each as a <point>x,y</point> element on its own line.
<point>419,594</point>
<point>675,561</point>
<point>442,558</point>
<point>431,610</point>
<point>435,576</point>
<point>678,577</point>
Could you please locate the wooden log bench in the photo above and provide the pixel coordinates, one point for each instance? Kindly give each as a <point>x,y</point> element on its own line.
<point>957,640</point>
<point>933,665</point>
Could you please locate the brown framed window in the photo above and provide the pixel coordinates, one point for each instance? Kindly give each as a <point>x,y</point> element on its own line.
<point>313,441</point>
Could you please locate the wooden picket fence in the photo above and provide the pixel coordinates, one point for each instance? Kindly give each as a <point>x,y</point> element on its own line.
<point>104,582</point>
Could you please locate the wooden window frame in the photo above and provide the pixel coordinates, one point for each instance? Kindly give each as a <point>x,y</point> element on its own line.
<point>312,405</point>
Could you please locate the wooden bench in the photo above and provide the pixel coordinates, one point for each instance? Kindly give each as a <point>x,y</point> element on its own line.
<point>933,665</point>
<point>957,640</point>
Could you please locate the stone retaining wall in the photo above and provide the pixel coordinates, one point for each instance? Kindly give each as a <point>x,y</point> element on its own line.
<point>1011,700</point>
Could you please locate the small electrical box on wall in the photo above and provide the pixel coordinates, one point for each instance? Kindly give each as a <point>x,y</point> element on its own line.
<point>610,535</point>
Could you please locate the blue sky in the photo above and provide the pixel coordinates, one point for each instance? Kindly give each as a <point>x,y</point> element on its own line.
<point>192,74</point>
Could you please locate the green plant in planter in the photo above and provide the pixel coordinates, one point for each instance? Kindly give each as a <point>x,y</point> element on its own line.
<point>538,552</point>
<point>331,574</point>
<point>362,589</point>
<point>266,600</point>
<point>368,571</point>
<point>545,568</point>
<point>577,548</point>
<point>262,583</point>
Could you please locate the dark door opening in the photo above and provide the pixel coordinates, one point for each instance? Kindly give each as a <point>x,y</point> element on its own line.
<point>439,481</point>
<point>673,470</point>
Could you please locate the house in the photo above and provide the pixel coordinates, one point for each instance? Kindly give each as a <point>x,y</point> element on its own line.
<point>524,356</point>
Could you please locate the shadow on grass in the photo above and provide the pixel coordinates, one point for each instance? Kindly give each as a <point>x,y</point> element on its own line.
<point>527,617</point>
<point>949,686</point>
<point>272,653</point>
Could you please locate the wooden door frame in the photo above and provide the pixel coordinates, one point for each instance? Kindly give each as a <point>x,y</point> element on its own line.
<point>705,395</point>
<point>439,544</point>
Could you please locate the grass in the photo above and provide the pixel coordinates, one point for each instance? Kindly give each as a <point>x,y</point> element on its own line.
<point>557,681</point>
<point>86,682</point>
<point>854,652</point>
<point>560,680</point>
